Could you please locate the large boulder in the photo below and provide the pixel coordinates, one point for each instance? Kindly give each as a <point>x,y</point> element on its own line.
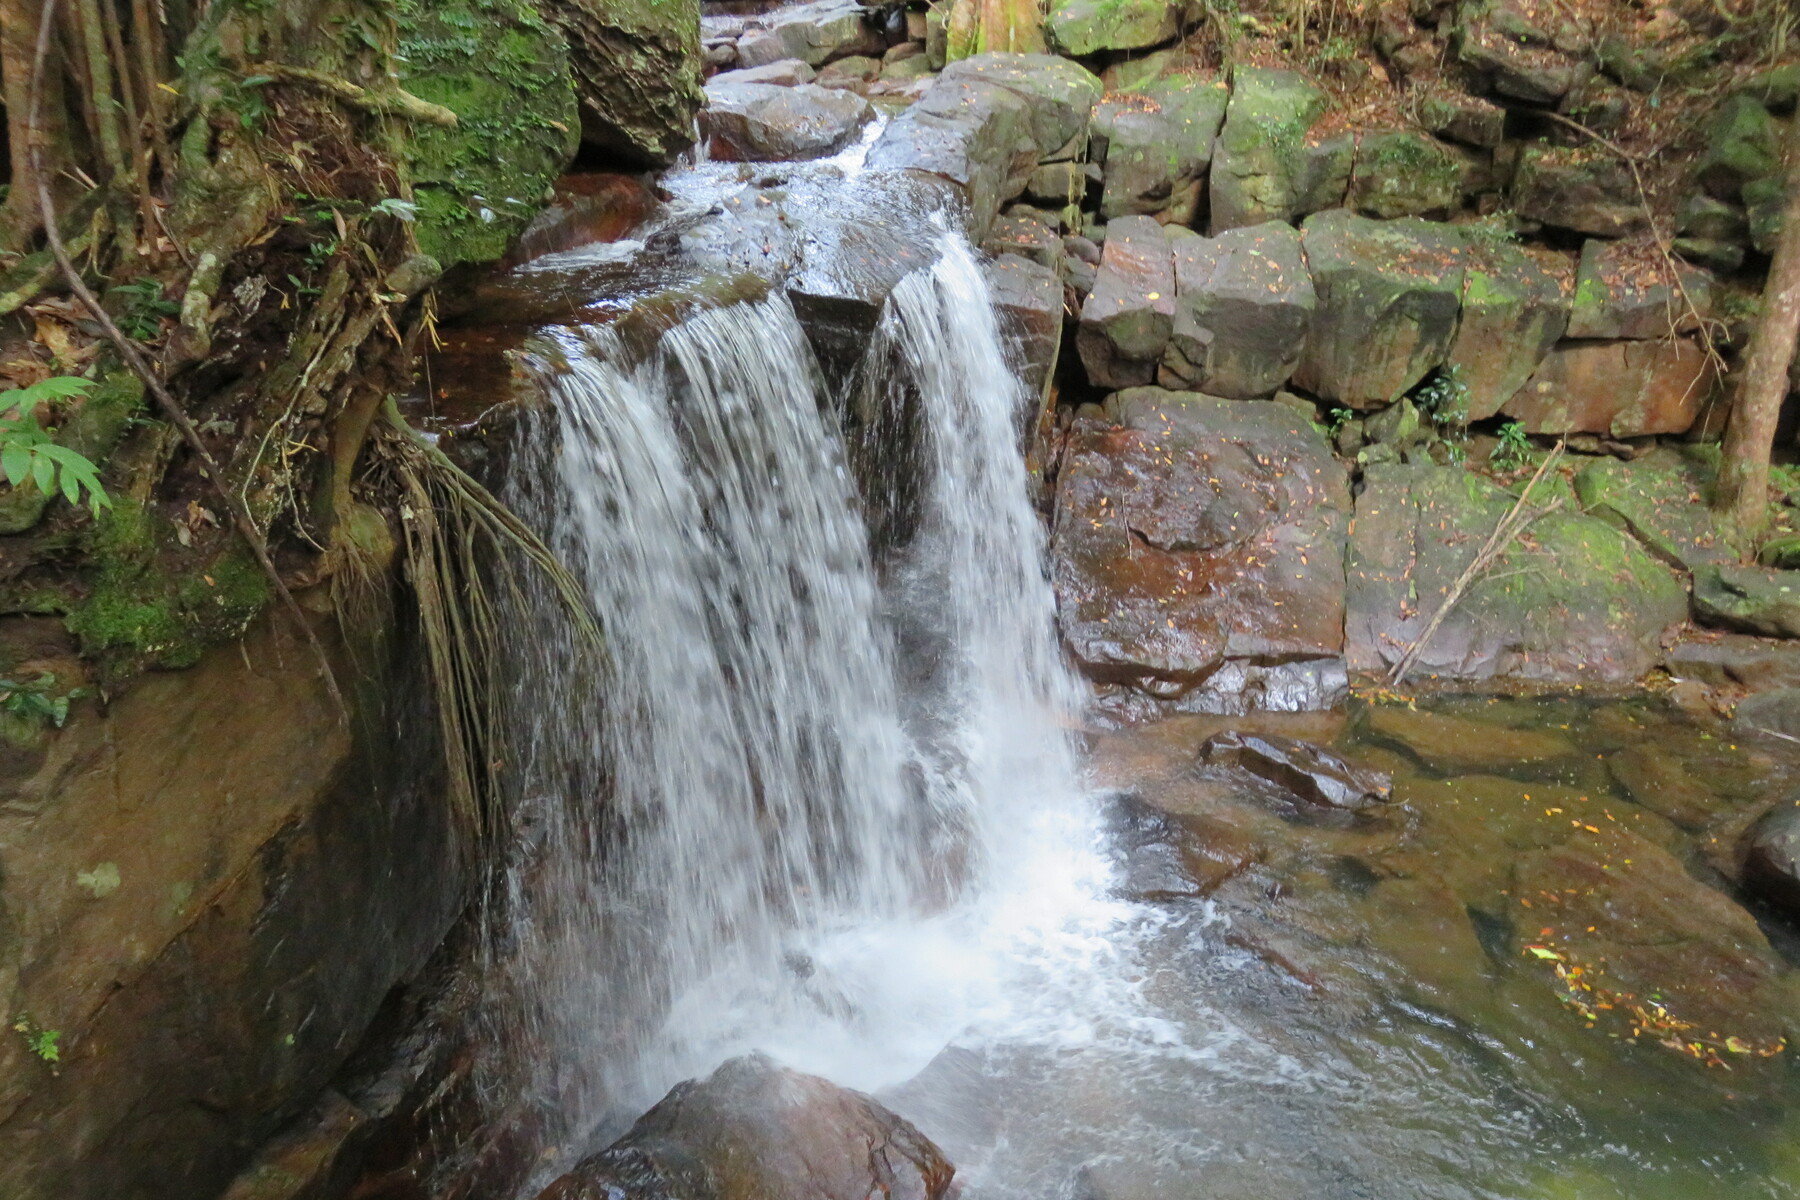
<point>1625,290</point>
<point>1260,165</point>
<point>974,134</point>
<point>1622,388</point>
<point>207,892</point>
<point>1079,28</point>
<point>1743,143</point>
<point>1502,44</point>
<point>1578,601</point>
<point>814,33</point>
<point>1158,144</point>
<point>1515,306</point>
<point>1198,553</point>
<point>755,1131</point>
<point>1757,600</point>
<point>1059,94</point>
<point>1244,304</point>
<point>636,69</point>
<point>766,122</point>
<point>1587,191</point>
<point>1129,315</point>
<point>1388,297</point>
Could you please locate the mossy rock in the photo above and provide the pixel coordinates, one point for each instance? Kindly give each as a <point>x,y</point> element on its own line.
<point>1258,166</point>
<point>1741,145</point>
<point>149,603</point>
<point>1402,173</point>
<point>1662,501</point>
<point>1082,27</point>
<point>1763,199</point>
<point>504,72</point>
<point>1514,308</point>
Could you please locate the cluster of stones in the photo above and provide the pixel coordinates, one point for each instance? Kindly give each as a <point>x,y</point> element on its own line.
<point>1218,244</point>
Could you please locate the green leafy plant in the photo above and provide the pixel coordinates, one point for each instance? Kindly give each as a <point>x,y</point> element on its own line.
<point>27,451</point>
<point>1445,398</point>
<point>35,700</point>
<point>1514,448</point>
<point>145,307</point>
<point>1339,418</point>
<point>393,206</point>
<point>43,1042</point>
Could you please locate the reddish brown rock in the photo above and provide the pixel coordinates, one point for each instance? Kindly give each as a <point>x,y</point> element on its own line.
<point>753,1130</point>
<point>1618,388</point>
<point>1198,553</point>
<point>587,209</point>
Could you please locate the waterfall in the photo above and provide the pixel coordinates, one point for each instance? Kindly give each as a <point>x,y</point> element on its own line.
<point>762,826</point>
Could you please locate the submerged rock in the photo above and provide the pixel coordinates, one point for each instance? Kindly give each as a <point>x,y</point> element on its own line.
<point>755,1131</point>
<point>1450,744</point>
<point>1311,773</point>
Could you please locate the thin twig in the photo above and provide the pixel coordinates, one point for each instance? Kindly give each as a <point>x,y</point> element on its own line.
<point>1515,522</point>
<point>140,366</point>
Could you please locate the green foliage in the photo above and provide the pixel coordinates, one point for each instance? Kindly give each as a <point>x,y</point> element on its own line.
<point>1339,418</point>
<point>145,307</point>
<point>1445,397</point>
<point>28,453</point>
<point>1514,448</point>
<point>35,702</point>
<point>43,1042</point>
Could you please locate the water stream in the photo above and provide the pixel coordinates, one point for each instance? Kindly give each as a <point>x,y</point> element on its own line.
<point>827,802</point>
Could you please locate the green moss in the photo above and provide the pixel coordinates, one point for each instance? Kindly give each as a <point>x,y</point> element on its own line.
<point>504,72</point>
<point>141,610</point>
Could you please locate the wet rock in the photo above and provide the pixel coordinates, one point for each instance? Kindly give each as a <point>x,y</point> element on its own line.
<point>1028,297</point>
<point>1736,660</point>
<point>752,1130</point>
<point>974,134</point>
<point>1461,118</point>
<point>1078,28</point>
<point>586,209</point>
<point>1515,307</point>
<point>1312,773</point>
<point>1657,780</point>
<point>1197,553</point>
<point>786,73</point>
<point>765,122</point>
<point>1771,869</point>
<point>1452,745</point>
<point>1622,292</point>
<point>1661,499</point>
<point>1059,94</point>
<point>1578,601</point>
<point>1775,712</point>
<point>1260,157</point>
<point>1164,855</point>
<point>1587,191</point>
<point>1750,599</point>
<point>1388,297</point>
<point>1618,388</point>
<point>1127,319</point>
<point>1159,144</point>
<point>1402,173</point>
<point>1244,304</point>
<point>1027,239</point>
<point>814,33</point>
<point>1743,143</point>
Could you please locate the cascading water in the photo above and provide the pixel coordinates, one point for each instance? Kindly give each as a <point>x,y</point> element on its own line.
<point>751,834</point>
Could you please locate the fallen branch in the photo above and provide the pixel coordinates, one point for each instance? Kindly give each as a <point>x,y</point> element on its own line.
<point>1514,523</point>
<point>140,366</point>
<point>396,101</point>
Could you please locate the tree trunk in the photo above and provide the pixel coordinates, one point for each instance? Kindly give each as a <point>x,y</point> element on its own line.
<point>981,26</point>
<point>1743,490</point>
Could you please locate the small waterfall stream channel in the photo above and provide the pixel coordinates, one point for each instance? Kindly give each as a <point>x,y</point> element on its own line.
<point>830,797</point>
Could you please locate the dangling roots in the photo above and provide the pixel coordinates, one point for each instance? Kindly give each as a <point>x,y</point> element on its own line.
<point>457,535</point>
